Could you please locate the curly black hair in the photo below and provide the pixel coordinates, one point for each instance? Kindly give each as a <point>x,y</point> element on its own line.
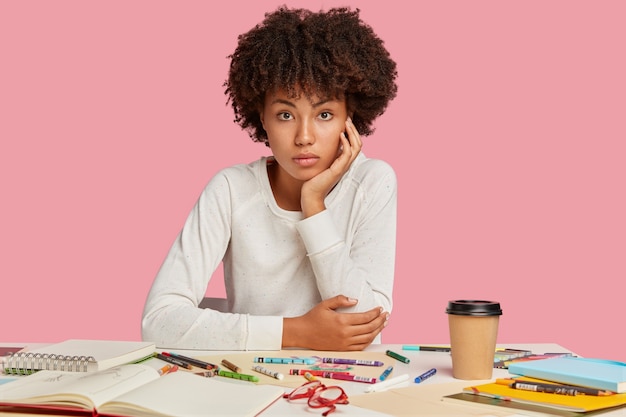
<point>333,54</point>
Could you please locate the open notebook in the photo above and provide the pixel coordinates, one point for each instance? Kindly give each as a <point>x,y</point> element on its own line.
<point>77,355</point>
<point>135,390</point>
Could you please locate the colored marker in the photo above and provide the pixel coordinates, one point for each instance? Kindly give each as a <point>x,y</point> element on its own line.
<point>427,348</point>
<point>343,361</point>
<point>313,372</point>
<point>398,356</point>
<point>391,382</point>
<point>173,361</point>
<point>191,361</point>
<point>231,366</point>
<point>237,375</point>
<point>267,372</point>
<point>425,375</point>
<point>385,373</point>
<point>300,361</point>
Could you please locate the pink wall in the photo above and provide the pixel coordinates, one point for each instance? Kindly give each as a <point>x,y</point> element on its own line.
<point>508,137</point>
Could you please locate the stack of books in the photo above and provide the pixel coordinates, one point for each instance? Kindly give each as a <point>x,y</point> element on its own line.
<point>561,386</point>
<point>505,357</point>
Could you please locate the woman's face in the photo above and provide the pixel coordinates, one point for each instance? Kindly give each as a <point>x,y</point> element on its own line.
<point>304,132</point>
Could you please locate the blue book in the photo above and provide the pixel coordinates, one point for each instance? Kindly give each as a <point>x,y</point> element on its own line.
<point>586,372</point>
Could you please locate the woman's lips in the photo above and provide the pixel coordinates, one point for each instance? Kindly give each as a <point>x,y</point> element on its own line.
<point>306,160</point>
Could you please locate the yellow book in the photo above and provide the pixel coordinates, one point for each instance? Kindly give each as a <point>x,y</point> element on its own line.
<point>576,403</point>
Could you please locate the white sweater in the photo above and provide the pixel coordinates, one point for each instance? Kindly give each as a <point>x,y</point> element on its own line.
<point>276,264</point>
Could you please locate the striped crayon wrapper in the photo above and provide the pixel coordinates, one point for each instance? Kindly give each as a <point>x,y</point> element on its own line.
<point>313,372</point>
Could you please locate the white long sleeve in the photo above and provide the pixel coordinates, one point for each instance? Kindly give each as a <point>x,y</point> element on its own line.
<point>275,263</point>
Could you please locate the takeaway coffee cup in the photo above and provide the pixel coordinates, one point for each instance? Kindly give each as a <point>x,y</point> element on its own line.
<point>473,332</point>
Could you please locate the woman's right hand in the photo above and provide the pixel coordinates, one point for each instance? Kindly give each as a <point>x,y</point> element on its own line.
<point>324,328</point>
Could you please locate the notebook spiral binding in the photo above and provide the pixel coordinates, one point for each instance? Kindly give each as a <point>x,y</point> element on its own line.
<point>25,363</point>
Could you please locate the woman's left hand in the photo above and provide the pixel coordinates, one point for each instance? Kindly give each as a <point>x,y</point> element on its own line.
<point>315,190</point>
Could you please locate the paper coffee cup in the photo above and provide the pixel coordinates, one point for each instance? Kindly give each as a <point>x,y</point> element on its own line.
<point>473,333</point>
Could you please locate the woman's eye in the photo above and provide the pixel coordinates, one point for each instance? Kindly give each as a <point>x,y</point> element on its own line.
<point>284,116</point>
<point>326,115</point>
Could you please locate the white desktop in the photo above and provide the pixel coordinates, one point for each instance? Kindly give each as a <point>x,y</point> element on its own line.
<point>406,399</point>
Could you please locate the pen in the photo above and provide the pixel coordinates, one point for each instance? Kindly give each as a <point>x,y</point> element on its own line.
<point>552,388</point>
<point>352,361</point>
<point>398,356</point>
<point>173,361</point>
<point>313,372</point>
<point>301,361</point>
<point>267,372</point>
<point>391,382</point>
<point>231,365</point>
<point>237,375</point>
<point>191,361</point>
<point>425,375</point>
<point>427,348</point>
<point>385,373</point>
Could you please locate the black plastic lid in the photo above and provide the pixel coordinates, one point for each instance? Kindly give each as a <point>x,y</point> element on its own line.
<point>474,308</point>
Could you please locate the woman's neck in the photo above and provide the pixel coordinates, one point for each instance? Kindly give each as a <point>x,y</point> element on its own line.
<point>286,190</point>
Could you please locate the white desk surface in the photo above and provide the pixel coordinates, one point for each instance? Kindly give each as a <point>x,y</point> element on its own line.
<point>422,399</point>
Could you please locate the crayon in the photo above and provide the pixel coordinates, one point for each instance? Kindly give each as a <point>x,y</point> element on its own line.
<point>398,356</point>
<point>237,375</point>
<point>267,372</point>
<point>385,373</point>
<point>231,365</point>
<point>352,361</point>
<point>399,380</point>
<point>313,372</point>
<point>425,375</point>
<point>299,361</point>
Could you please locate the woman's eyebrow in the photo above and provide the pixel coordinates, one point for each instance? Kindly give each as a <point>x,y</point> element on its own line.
<point>283,101</point>
<point>322,102</point>
<point>289,103</point>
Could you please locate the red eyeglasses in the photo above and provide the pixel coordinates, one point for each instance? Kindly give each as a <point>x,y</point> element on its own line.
<point>319,395</point>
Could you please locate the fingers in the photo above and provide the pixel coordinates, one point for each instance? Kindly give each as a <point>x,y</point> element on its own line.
<point>362,328</point>
<point>353,140</point>
<point>324,328</point>
<point>371,319</point>
<point>351,143</point>
<point>339,301</point>
<point>365,333</point>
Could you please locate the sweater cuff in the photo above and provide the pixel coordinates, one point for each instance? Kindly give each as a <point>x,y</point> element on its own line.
<point>265,333</point>
<point>318,232</point>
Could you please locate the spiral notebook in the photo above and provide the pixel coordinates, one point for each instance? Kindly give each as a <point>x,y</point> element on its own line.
<point>77,355</point>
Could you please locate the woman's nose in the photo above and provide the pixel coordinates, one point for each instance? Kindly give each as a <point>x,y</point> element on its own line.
<point>305,134</point>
